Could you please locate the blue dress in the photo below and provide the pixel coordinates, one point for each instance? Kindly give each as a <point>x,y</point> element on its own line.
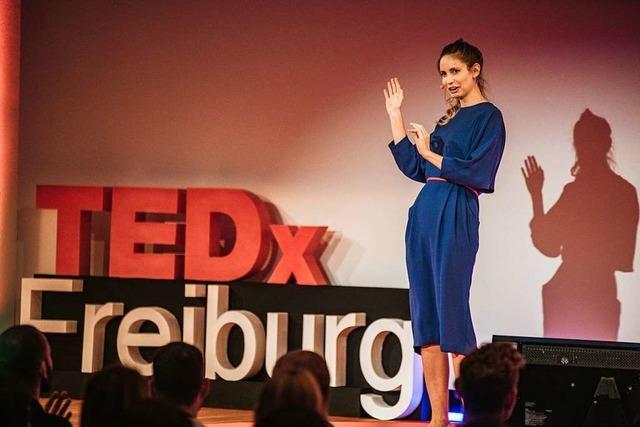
<point>442,230</point>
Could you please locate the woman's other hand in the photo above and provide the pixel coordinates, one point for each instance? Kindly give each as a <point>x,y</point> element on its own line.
<point>393,96</point>
<point>421,137</point>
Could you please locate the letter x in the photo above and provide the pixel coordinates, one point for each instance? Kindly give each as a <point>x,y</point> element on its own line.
<point>301,248</point>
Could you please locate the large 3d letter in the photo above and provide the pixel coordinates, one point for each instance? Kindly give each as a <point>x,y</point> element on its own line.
<point>129,233</point>
<point>408,379</point>
<point>193,318</point>
<point>96,317</point>
<point>130,338</point>
<point>337,330</point>
<point>300,252</point>
<point>277,339</point>
<point>31,304</point>
<point>74,206</point>
<point>252,241</point>
<point>313,333</point>
<point>220,320</point>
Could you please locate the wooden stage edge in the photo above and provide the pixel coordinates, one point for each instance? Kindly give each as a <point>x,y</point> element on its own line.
<point>217,417</point>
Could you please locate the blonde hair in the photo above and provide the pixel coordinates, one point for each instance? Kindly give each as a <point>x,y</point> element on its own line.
<point>470,55</point>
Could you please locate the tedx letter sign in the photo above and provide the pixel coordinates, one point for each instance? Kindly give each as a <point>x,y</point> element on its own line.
<point>183,228</point>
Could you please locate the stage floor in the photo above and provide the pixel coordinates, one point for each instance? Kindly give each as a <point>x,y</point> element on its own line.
<point>241,418</point>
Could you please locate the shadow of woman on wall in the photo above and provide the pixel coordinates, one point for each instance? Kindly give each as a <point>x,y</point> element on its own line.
<point>593,227</point>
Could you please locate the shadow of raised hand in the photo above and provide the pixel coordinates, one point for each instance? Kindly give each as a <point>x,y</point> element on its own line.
<point>533,176</point>
<point>534,179</point>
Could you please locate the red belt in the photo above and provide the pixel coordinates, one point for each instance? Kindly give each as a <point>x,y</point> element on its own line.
<point>473,190</point>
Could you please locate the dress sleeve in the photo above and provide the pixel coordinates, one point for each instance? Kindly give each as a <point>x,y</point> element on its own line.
<point>479,169</point>
<point>410,162</point>
<point>408,159</point>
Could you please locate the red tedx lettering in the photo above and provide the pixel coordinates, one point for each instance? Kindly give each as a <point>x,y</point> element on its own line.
<point>252,241</point>
<point>149,237</point>
<point>130,231</point>
<point>74,206</point>
<point>300,253</point>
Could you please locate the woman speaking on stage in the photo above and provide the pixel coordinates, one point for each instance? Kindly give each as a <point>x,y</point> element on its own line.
<point>457,162</point>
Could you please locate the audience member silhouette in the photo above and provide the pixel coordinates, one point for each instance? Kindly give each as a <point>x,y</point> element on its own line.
<point>26,368</point>
<point>154,413</point>
<point>312,362</point>
<point>488,384</point>
<point>291,396</point>
<point>109,394</point>
<point>178,378</point>
<point>593,227</point>
<point>15,405</point>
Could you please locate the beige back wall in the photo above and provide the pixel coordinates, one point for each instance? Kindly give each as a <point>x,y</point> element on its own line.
<point>285,99</point>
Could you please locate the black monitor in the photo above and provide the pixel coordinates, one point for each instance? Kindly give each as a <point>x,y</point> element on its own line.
<point>576,383</point>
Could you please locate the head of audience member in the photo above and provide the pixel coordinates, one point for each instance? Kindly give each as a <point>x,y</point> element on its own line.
<point>109,394</point>
<point>154,413</point>
<point>25,357</point>
<point>488,381</point>
<point>289,391</point>
<point>178,376</point>
<point>312,362</point>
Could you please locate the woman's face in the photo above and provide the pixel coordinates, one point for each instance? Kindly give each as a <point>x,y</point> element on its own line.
<point>457,79</point>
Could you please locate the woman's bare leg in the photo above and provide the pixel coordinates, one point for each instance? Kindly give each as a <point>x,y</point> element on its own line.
<point>435,364</point>
<point>456,360</point>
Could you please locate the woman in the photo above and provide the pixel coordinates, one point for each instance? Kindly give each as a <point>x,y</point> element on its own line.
<point>458,162</point>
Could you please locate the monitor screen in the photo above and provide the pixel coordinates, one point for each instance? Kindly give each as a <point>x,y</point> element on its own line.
<point>576,382</point>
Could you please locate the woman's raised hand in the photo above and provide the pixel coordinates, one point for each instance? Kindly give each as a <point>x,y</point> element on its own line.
<point>421,136</point>
<point>393,96</point>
